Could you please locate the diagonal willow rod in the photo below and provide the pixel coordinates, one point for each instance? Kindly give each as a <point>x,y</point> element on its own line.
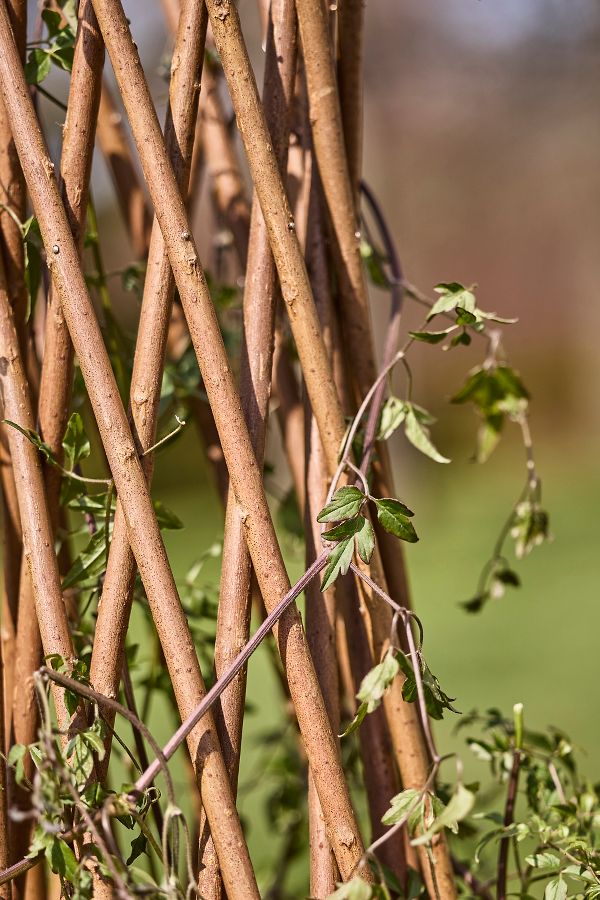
<point>287,253</point>
<point>118,154</point>
<point>327,134</point>
<point>245,476</point>
<point>351,15</point>
<point>57,367</point>
<point>117,592</point>
<point>260,296</point>
<point>259,305</point>
<point>320,610</point>
<point>38,543</point>
<point>127,471</point>
<point>12,211</point>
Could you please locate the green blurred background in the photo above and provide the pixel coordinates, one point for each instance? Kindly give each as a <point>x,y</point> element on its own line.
<point>482,138</point>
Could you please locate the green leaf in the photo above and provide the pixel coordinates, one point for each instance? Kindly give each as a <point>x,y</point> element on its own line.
<point>62,860</point>
<point>461,338</point>
<point>374,263</point>
<point>90,562</point>
<point>452,295</point>
<point>464,317</point>
<point>32,262</point>
<point>338,562</point>
<point>94,740</point>
<point>410,799</point>
<point>494,392</point>
<point>138,846</point>
<point>356,889</point>
<point>436,700</point>
<point>53,21</point>
<point>488,437</point>
<point>460,805</point>
<point>16,758</point>
<point>81,757</point>
<point>501,579</point>
<point>530,527</point>
<point>34,438</point>
<point>556,890</point>
<point>346,502</point>
<point>361,712</point>
<point>365,540</point>
<point>344,530</point>
<point>75,442</point>
<point>392,416</point>
<point>37,66</point>
<point>165,517</point>
<point>431,337</point>
<point>63,57</point>
<point>395,518</point>
<point>95,795</point>
<point>543,861</point>
<point>376,682</point>
<point>418,434</point>
<point>476,603</point>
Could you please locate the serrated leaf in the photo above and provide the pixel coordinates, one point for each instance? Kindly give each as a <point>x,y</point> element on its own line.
<point>376,682</point>
<point>464,317</point>
<point>418,435</point>
<point>392,416</point>
<point>345,503</point>
<point>488,436</point>
<point>138,846</point>
<point>365,540</point>
<point>16,758</point>
<point>338,562</point>
<point>395,518</point>
<point>61,859</point>
<point>94,740</point>
<point>431,337</point>
<point>556,890</point>
<point>90,562</point>
<point>462,338</point>
<point>37,66</point>
<point>543,860</point>
<point>400,806</point>
<point>34,438</point>
<point>436,700</point>
<point>344,530</point>
<point>452,295</point>
<point>75,442</point>
<point>52,20</point>
<point>361,712</point>
<point>374,264</point>
<point>63,57</point>
<point>460,805</point>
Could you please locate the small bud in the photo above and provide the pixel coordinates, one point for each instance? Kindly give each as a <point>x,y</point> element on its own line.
<point>56,248</point>
<point>185,235</point>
